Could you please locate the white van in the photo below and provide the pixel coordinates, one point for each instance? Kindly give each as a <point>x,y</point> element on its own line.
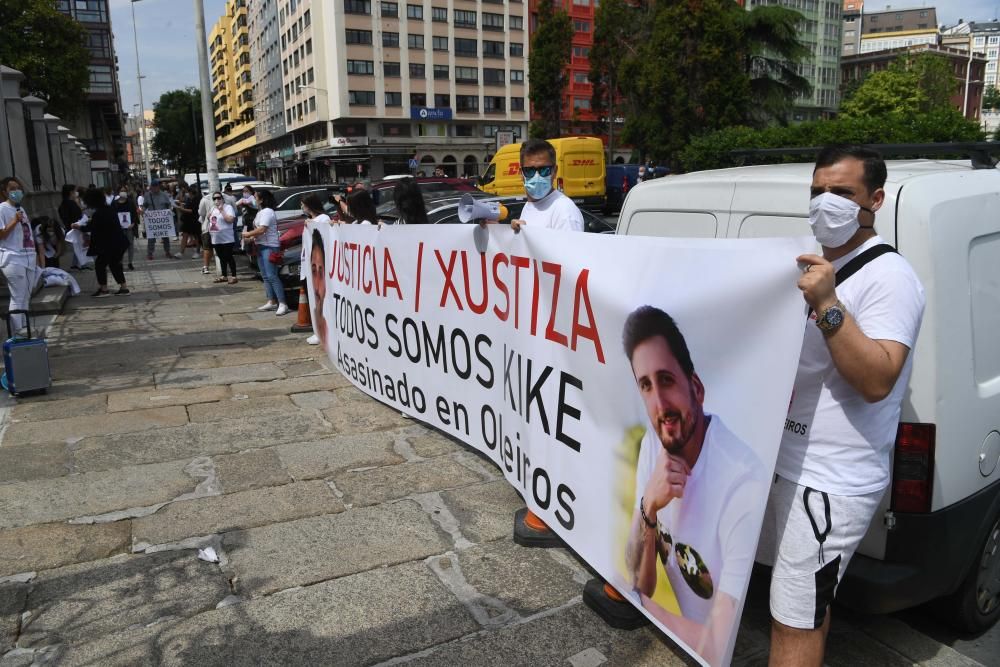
<point>938,532</point>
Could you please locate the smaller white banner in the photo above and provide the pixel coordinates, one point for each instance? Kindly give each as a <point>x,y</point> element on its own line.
<point>125,219</point>
<point>159,224</point>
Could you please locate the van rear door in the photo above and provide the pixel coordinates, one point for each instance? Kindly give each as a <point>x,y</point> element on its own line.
<point>581,169</point>
<point>680,208</point>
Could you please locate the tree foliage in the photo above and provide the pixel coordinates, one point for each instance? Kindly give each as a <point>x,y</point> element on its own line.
<point>48,48</point>
<point>550,54</point>
<point>772,52</point>
<point>991,98</point>
<point>912,84</point>
<point>177,116</point>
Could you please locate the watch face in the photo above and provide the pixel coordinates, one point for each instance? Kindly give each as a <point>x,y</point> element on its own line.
<point>834,317</point>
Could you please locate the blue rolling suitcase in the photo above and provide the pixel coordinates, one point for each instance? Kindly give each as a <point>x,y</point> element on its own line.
<point>25,360</point>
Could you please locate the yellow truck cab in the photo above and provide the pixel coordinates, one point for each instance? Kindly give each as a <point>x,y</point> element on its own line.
<point>580,172</point>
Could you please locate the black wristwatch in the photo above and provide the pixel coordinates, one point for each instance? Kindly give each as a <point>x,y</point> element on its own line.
<point>832,318</point>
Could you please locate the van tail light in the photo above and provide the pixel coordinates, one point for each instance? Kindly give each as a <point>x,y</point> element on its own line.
<point>913,468</point>
<point>624,184</point>
<point>559,184</point>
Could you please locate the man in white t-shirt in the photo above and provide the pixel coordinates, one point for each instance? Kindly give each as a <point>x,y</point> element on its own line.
<point>833,463</point>
<point>546,207</point>
<point>699,492</point>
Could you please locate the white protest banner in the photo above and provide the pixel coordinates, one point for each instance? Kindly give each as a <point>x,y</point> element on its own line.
<point>159,224</point>
<point>587,367</point>
<point>124,219</point>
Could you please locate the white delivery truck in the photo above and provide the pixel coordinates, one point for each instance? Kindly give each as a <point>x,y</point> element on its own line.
<point>937,534</point>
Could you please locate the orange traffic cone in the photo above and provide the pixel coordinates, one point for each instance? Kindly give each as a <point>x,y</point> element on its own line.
<point>304,322</point>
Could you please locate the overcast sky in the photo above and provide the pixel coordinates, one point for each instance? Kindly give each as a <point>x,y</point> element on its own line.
<point>169,57</point>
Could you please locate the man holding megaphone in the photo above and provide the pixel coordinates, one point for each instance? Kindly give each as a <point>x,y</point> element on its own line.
<point>547,206</point>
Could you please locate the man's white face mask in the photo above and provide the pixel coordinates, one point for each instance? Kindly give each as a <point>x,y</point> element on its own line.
<point>834,219</point>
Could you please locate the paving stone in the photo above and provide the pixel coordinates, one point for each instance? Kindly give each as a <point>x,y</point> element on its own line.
<point>523,579</point>
<point>27,410</point>
<point>368,487</point>
<point>193,440</point>
<point>259,407</point>
<point>356,412</point>
<point>247,509</point>
<point>278,352</point>
<point>214,376</point>
<point>89,494</point>
<point>80,602</point>
<point>51,545</point>
<point>136,400</point>
<point>429,443</point>
<point>310,460</point>
<point>35,461</point>
<point>302,367</point>
<point>357,620</point>
<point>485,511</point>
<point>55,430</point>
<point>13,597</point>
<point>314,400</point>
<point>297,553</point>
<point>253,469</point>
<point>327,381</point>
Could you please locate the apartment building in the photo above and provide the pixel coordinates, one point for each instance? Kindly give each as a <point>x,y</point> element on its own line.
<point>983,37</point>
<point>232,92</point>
<point>370,86</point>
<point>820,31</point>
<point>273,143</point>
<point>867,31</point>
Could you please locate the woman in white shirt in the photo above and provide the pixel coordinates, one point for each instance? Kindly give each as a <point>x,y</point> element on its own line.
<point>220,226</point>
<point>17,248</point>
<point>265,233</point>
<point>362,207</point>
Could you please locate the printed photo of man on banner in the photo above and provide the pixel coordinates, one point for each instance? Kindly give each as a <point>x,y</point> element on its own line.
<point>631,390</point>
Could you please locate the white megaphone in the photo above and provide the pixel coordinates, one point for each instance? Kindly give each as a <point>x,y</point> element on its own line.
<point>470,208</point>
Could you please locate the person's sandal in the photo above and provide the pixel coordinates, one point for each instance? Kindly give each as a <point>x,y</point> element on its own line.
<point>233,281</point>
<point>219,280</point>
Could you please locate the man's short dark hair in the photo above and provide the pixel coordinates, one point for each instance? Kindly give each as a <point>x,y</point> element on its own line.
<point>874,164</point>
<point>317,243</point>
<point>534,146</point>
<point>648,322</point>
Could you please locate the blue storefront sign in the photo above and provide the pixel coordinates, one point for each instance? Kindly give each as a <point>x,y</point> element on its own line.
<point>430,113</point>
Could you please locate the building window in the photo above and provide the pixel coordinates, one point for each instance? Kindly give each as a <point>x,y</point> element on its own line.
<point>361,67</point>
<point>465,19</point>
<point>357,37</point>
<point>993,40</point>
<point>396,129</point>
<point>390,39</point>
<point>415,41</point>
<point>432,130</point>
<point>581,52</point>
<point>517,104</point>
<point>357,7</point>
<point>493,77</point>
<point>390,9</point>
<point>309,47</point>
<point>492,21</point>
<point>390,69</point>
<point>581,26</point>
<point>440,71</point>
<point>394,99</point>
<point>580,77</point>
<point>494,104</point>
<point>101,80</point>
<point>467,103</point>
<point>516,23</point>
<point>415,12</point>
<point>465,130</point>
<point>439,14</point>
<point>417,70</point>
<point>439,43</point>
<point>312,104</point>
<point>306,19</point>
<point>581,3</point>
<point>418,99</point>
<point>442,101</point>
<point>361,97</point>
<point>492,49</point>
<point>581,104</point>
<point>516,49</point>
<point>465,47</point>
<point>517,76</point>
<point>466,75</point>
<point>980,41</point>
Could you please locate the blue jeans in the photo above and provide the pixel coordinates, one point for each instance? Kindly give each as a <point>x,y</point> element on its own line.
<point>273,288</point>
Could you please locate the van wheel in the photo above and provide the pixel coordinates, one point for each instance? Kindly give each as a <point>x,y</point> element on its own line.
<point>975,606</point>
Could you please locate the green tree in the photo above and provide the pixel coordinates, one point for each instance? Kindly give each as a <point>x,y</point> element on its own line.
<point>915,85</point>
<point>177,116</point>
<point>991,98</point>
<point>772,53</point>
<point>48,48</point>
<point>550,54</point>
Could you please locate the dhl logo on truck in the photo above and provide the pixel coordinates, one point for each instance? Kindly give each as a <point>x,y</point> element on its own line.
<point>514,168</point>
<point>584,163</point>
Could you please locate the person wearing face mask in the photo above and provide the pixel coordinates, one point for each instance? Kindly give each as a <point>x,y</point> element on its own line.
<point>128,219</point>
<point>18,257</point>
<point>865,308</point>
<point>546,207</point>
<point>220,227</point>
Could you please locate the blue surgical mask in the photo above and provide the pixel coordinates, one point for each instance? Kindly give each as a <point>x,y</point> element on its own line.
<point>16,196</point>
<point>538,186</point>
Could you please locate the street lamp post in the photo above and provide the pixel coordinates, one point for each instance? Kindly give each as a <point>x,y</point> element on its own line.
<point>142,106</point>
<point>207,118</point>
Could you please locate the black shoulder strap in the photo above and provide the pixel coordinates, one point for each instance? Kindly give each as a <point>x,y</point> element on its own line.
<point>853,266</point>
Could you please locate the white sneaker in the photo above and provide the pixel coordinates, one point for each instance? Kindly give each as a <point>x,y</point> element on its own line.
<point>313,340</point>
<point>268,306</point>
<point>282,310</point>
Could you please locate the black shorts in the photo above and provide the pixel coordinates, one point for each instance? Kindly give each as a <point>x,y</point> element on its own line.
<point>206,241</point>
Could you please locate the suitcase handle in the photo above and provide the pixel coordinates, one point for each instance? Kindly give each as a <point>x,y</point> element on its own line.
<point>10,324</point>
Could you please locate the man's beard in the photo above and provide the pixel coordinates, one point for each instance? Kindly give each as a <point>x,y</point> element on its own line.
<point>684,422</point>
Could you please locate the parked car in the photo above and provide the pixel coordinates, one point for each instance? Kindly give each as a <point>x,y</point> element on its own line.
<point>936,535</point>
<point>620,178</point>
<point>382,191</point>
<point>290,199</point>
